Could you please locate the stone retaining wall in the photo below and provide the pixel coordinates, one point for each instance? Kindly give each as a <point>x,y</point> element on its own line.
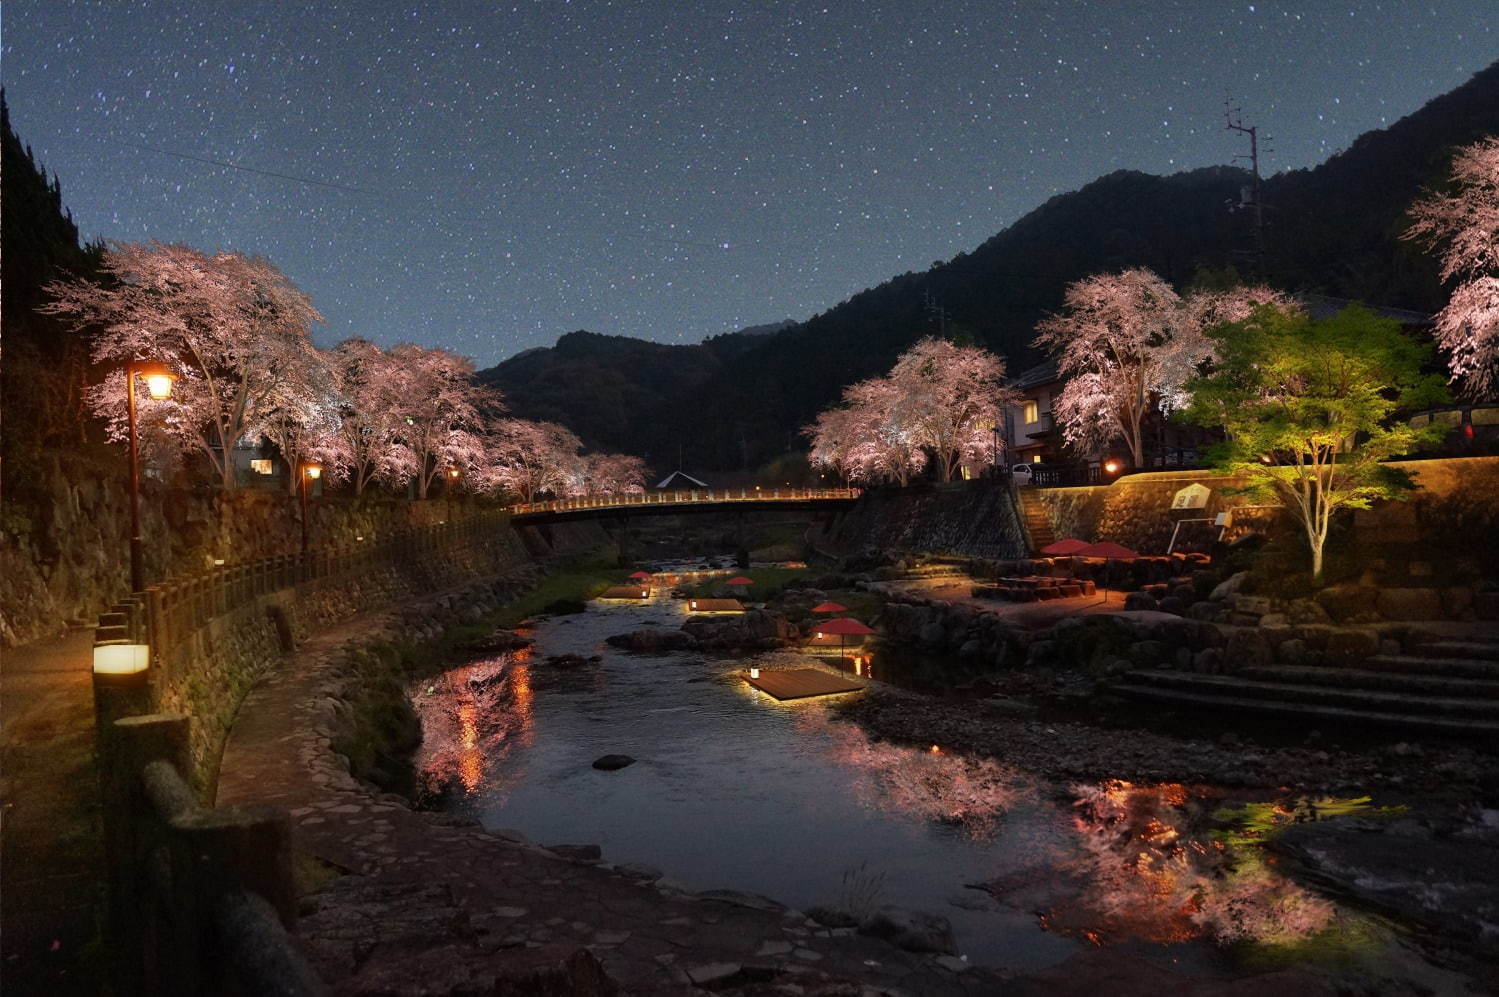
<point>971,518</point>
<point>1456,506</point>
<point>64,560</point>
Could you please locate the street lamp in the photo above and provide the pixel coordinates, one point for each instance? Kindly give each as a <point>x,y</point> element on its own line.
<point>159,378</point>
<point>310,472</point>
<point>449,480</point>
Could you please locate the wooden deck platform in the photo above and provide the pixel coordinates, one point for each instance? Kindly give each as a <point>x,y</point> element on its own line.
<point>800,683</point>
<point>699,606</point>
<point>636,592</point>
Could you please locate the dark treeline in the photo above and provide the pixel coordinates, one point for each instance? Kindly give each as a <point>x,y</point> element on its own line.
<point>736,401</point>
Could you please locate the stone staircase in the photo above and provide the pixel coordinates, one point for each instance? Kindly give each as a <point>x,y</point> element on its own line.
<point>1444,687</point>
<point>1037,523</point>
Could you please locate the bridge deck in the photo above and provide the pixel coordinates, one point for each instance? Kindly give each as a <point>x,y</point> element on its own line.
<point>800,683</point>
<point>659,501</point>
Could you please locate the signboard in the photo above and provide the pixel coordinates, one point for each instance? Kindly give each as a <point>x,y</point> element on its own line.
<point>1191,497</point>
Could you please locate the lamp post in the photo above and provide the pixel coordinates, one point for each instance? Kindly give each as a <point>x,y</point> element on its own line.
<point>159,378</point>
<point>449,479</point>
<point>310,472</point>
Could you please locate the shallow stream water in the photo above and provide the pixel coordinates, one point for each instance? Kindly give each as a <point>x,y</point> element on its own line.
<point>731,789</point>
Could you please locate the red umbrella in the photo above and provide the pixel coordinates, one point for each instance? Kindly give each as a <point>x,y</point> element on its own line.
<point>842,626</point>
<point>1063,548</point>
<point>829,607</point>
<point>740,580</point>
<point>1108,551</point>
<point>640,576</point>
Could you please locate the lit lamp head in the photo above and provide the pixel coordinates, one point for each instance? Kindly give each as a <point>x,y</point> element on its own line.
<point>1111,467</point>
<point>313,471</point>
<point>159,379</point>
<point>122,662</point>
<point>453,472</point>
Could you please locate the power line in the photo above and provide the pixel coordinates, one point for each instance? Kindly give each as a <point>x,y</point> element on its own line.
<point>247,169</point>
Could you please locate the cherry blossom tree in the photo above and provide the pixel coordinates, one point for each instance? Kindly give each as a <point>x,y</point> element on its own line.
<point>1125,344</point>
<point>302,420</point>
<point>529,458</point>
<point>1463,226</point>
<point>613,474</point>
<point>949,400</point>
<point>371,414</point>
<point>233,326</point>
<point>862,440</point>
<point>443,412</point>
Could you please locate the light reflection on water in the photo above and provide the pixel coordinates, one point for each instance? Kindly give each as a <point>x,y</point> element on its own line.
<point>732,789</point>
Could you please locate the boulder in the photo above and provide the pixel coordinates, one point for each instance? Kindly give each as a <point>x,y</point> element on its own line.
<point>583,853</point>
<point>497,643</point>
<point>912,930</point>
<point>611,763</point>
<point>1348,603</point>
<point>1137,601</point>
<point>1410,604</point>
<point>1247,648</point>
<point>1291,652</point>
<point>754,629</point>
<point>1350,647</point>
<point>1230,587</point>
<point>830,916</point>
<point>653,640</point>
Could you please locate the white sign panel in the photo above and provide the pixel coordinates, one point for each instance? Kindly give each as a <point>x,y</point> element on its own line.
<point>1191,497</point>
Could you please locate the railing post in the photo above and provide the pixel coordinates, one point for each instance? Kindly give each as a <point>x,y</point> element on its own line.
<point>131,837</point>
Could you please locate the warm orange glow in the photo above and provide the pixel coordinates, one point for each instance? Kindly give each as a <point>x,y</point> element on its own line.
<point>1111,466</point>
<point>936,750</point>
<point>159,384</point>
<point>313,471</point>
<point>121,659</point>
<point>452,472</point>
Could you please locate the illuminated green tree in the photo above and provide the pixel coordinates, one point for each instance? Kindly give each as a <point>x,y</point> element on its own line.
<point>1310,411</point>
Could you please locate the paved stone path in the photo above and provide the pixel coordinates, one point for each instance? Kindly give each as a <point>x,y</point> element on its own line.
<point>50,837</point>
<point>432,903</point>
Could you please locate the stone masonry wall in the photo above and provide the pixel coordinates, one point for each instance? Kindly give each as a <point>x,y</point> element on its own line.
<point>1456,506</point>
<point>66,561</point>
<point>972,518</point>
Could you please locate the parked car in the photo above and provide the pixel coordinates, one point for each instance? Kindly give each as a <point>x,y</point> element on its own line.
<point>1022,473</point>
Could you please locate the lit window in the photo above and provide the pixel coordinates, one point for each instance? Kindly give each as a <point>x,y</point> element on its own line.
<point>1035,458</point>
<point>260,466</point>
<point>1030,412</point>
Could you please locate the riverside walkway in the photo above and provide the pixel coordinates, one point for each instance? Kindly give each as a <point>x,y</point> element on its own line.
<point>51,848</point>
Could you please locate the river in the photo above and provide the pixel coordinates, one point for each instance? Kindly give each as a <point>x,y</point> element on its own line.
<point>731,789</point>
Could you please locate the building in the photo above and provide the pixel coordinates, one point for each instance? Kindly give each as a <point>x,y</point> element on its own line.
<point>680,481</point>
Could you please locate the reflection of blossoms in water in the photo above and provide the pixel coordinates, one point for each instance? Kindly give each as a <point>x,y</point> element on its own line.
<point>472,717</point>
<point>970,793</point>
<point>1147,874</point>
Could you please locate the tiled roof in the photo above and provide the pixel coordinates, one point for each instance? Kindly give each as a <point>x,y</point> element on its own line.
<point>1042,373</point>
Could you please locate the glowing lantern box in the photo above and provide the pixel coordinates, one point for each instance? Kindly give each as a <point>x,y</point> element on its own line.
<point>121,664</point>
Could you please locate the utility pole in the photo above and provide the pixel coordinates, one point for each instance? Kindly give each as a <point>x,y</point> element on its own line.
<point>1234,122</point>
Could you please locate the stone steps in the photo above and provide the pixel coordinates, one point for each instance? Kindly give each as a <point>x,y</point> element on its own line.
<point>1310,712</point>
<point>1486,650</point>
<point>1037,523</point>
<point>1421,664</point>
<point>1304,694</point>
<point>1361,678</point>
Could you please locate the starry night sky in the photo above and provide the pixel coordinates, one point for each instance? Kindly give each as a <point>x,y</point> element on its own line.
<point>490,177</point>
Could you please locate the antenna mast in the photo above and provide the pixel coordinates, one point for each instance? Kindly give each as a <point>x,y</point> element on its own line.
<point>1234,122</point>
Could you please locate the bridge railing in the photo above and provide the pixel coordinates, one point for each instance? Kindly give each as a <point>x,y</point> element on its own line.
<point>693,496</point>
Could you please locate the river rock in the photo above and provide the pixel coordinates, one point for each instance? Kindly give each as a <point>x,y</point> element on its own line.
<point>912,930</point>
<point>831,916</point>
<point>1230,587</point>
<point>583,853</point>
<point>1136,601</point>
<point>653,640</point>
<point>610,763</point>
<point>754,629</point>
<point>497,643</point>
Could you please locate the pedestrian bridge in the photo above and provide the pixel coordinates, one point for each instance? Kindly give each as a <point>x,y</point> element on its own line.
<point>693,500</point>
